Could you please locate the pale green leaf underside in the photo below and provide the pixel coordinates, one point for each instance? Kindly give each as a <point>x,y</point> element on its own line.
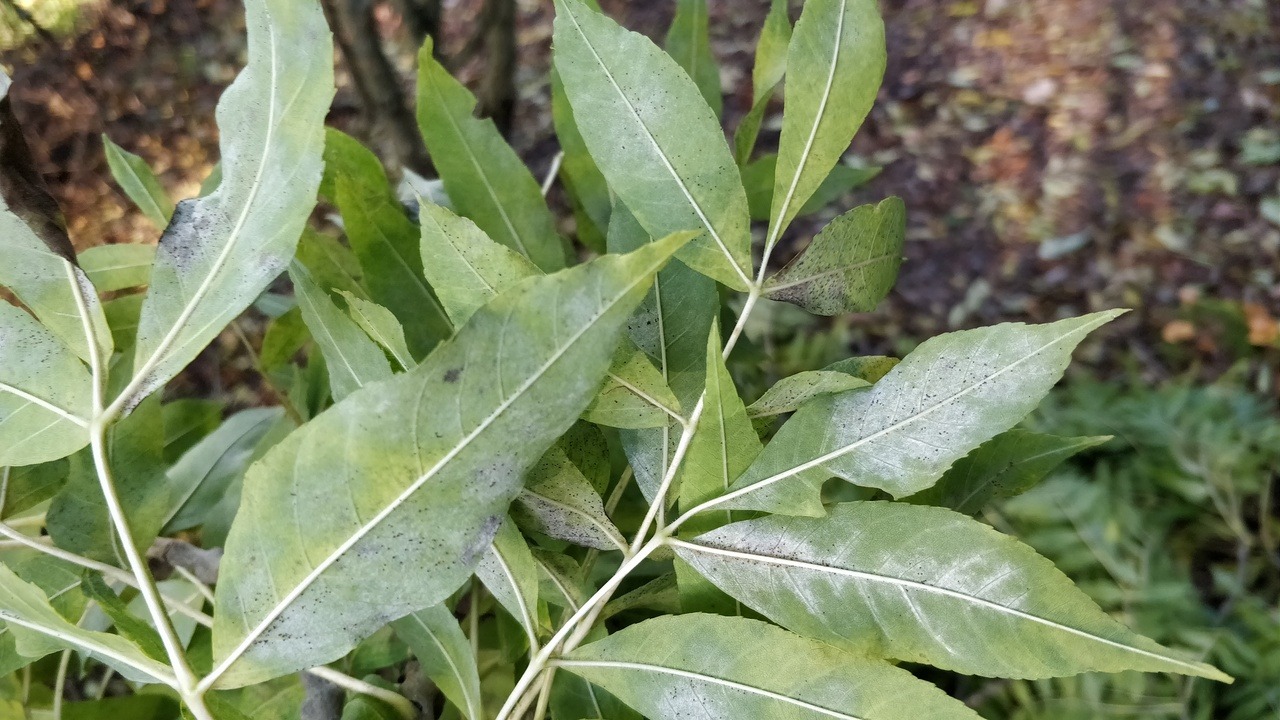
<point>720,668</point>
<point>428,460</point>
<point>850,266</point>
<point>835,63</point>
<point>671,327</point>
<point>655,140</point>
<point>924,585</point>
<point>40,630</point>
<point>221,251</point>
<point>560,502</point>
<point>467,268</point>
<point>953,393</point>
<point>634,394</point>
<point>464,265</point>
<point>50,286</point>
<point>510,574</point>
<point>45,392</point>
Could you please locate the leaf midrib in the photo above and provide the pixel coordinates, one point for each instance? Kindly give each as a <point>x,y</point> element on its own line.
<point>1083,329</point>
<point>900,582</point>
<point>166,343</point>
<point>817,122</point>
<point>594,522</point>
<point>480,172</point>
<point>715,235</point>
<point>711,679</point>
<point>310,578</point>
<point>155,670</point>
<point>774,288</point>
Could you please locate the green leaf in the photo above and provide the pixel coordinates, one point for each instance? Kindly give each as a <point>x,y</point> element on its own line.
<point>118,267</point>
<point>771,51</point>
<point>655,140</point>
<point>199,480</point>
<point>386,242</point>
<point>770,66</point>
<point>670,327</point>
<point>60,583</point>
<point>723,445</point>
<point>510,573</point>
<point>558,501</point>
<point>467,268</point>
<point>333,265</point>
<point>185,422</point>
<point>484,177</point>
<point>634,394</point>
<point>354,360</point>
<point>444,654</point>
<point>955,392</point>
<point>559,579</point>
<point>464,265</point>
<point>1008,464</point>
<point>139,182</point>
<point>221,251</point>
<point>923,585</point>
<point>715,667</point>
<point>40,630</point>
<point>850,266</point>
<point>134,707</point>
<point>758,178</point>
<point>588,191</point>
<point>868,367</point>
<point>46,394</point>
<point>344,156</point>
<point>662,595</point>
<point>689,44</point>
<point>835,63</point>
<point>128,625</point>
<point>78,519</point>
<point>39,263</point>
<point>284,337</point>
<point>429,462</point>
<point>789,393</point>
<point>588,449</point>
<point>122,315</point>
<point>380,324</point>
<point>22,488</point>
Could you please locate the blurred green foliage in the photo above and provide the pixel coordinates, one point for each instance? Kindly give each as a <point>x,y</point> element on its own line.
<point>58,17</point>
<point>1172,528</point>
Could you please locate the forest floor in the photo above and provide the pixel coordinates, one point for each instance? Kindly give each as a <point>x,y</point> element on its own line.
<point>1055,157</point>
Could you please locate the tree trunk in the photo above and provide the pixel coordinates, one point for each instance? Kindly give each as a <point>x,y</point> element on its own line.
<point>422,18</point>
<point>497,94</point>
<point>391,124</point>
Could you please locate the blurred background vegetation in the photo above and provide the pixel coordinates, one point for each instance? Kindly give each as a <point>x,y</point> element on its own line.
<point>1055,158</point>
